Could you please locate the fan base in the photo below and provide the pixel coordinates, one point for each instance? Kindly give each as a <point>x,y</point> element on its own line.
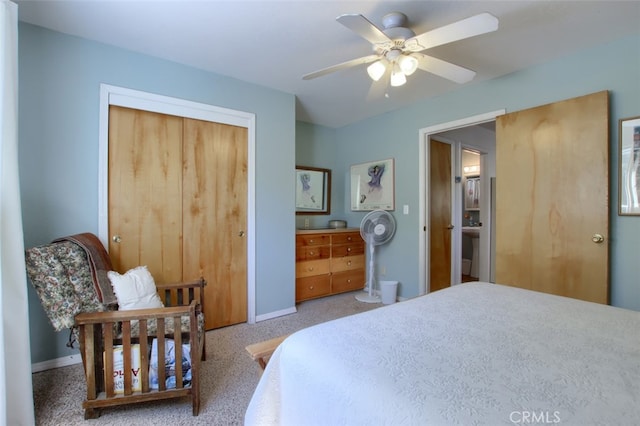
<point>368,299</point>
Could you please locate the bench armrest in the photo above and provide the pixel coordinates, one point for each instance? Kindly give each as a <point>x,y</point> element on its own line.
<point>87,318</point>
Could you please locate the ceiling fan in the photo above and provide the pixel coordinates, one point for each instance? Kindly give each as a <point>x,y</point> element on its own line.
<point>397,47</point>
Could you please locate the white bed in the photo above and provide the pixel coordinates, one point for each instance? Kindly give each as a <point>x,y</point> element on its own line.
<point>476,353</point>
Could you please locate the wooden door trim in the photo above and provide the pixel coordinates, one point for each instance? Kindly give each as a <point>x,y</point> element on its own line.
<point>424,136</point>
<point>114,95</point>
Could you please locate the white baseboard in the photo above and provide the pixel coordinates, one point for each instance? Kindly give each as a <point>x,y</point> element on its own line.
<point>56,363</point>
<point>276,314</point>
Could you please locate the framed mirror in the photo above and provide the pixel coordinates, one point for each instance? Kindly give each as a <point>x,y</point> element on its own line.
<point>313,190</point>
<point>472,193</point>
<point>629,166</point>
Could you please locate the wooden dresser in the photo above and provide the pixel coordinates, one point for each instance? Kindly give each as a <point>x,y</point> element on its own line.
<point>328,261</point>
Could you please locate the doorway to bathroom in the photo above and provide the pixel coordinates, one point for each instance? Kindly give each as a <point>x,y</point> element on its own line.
<point>459,247</point>
<point>473,199</point>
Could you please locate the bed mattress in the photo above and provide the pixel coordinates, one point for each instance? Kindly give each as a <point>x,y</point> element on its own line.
<point>476,353</point>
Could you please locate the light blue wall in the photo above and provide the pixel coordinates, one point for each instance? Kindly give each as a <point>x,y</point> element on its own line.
<point>614,67</point>
<point>58,135</point>
<point>316,146</point>
<point>59,81</point>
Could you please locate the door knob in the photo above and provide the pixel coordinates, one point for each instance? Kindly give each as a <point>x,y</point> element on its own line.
<point>116,238</point>
<point>450,227</point>
<point>241,234</point>
<point>597,238</point>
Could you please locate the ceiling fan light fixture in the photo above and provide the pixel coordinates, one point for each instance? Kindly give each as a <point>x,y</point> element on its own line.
<point>397,76</point>
<point>396,47</point>
<point>408,64</point>
<point>376,70</point>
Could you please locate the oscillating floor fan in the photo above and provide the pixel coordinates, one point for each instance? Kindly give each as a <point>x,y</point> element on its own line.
<point>376,228</point>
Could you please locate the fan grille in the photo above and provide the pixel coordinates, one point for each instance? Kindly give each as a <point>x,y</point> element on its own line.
<point>377,227</point>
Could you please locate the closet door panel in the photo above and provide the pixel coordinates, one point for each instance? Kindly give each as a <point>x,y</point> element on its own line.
<point>215,217</point>
<point>145,192</point>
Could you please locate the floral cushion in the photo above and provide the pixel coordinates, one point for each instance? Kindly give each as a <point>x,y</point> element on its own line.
<point>62,279</point>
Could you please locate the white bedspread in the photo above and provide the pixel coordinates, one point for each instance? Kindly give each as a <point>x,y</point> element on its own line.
<point>475,353</point>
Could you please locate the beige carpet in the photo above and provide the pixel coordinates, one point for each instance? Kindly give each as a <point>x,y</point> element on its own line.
<point>228,376</point>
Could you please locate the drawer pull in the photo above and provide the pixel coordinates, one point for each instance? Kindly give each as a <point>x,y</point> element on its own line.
<point>310,287</point>
<point>349,280</point>
<point>349,238</point>
<point>349,263</point>
<point>310,268</point>
<point>310,241</point>
<point>311,253</point>
<point>348,248</point>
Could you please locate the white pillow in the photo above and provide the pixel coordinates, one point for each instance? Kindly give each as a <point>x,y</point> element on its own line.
<point>136,289</point>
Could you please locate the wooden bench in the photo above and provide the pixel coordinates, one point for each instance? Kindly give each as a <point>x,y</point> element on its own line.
<point>261,351</point>
<point>98,339</point>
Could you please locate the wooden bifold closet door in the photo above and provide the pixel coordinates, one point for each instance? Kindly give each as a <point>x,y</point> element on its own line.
<point>177,203</point>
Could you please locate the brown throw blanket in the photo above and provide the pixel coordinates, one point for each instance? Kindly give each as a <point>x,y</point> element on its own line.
<point>99,263</point>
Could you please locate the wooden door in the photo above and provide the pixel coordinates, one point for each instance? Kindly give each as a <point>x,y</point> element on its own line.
<point>177,203</point>
<point>145,189</point>
<point>440,226</point>
<point>552,183</point>
<point>215,217</point>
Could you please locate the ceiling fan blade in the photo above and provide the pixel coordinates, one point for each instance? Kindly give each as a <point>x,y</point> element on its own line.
<point>444,69</point>
<point>363,27</point>
<point>473,26</point>
<point>343,65</point>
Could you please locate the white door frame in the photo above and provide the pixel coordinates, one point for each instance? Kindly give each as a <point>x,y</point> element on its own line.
<point>424,139</point>
<point>113,95</point>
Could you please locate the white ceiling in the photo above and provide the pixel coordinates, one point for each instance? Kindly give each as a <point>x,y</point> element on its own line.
<point>274,43</point>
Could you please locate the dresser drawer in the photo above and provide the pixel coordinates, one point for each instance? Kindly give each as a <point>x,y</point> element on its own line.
<point>310,287</point>
<point>312,253</point>
<point>346,238</point>
<point>313,267</point>
<point>312,240</point>
<point>347,263</point>
<point>352,249</point>
<point>347,281</point>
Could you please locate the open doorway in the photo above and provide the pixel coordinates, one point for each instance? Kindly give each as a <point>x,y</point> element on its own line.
<point>474,136</point>
<point>473,201</point>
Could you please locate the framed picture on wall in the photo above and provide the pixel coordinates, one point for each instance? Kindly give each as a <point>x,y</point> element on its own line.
<point>372,186</point>
<point>629,166</point>
<point>313,190</point>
